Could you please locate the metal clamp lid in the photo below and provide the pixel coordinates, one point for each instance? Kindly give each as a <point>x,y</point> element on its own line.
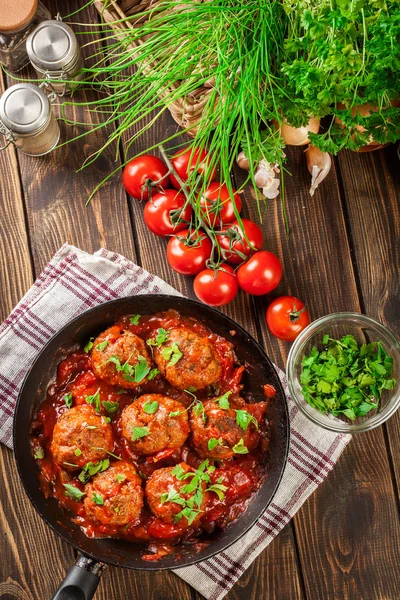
<point>24,108</point>
<point>52,46</point>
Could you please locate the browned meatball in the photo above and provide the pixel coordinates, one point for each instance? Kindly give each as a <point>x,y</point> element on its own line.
<point>114,497</point>
<point>115,360</point>
<point>199,365</point>
<point>215,431</point>
<point>80,436</point>
<point>150,415</point>
<point>163,482</point>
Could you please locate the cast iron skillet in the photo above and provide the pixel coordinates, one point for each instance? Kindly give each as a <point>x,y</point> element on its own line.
<point>82,580</point>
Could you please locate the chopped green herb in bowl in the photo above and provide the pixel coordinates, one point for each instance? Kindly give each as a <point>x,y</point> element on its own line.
<point>344,372</point>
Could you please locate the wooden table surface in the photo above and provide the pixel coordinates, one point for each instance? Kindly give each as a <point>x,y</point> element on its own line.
<point>343,254</point>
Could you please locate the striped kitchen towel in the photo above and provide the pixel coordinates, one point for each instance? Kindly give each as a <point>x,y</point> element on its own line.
<point>74,281</point>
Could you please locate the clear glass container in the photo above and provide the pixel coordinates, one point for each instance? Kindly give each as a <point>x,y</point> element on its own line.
<point>17,20</point>
<point>365,330</point>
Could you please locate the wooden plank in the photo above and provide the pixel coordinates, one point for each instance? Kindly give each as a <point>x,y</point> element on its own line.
<point>372,203</point>
<point>28,546</point>
<point>348,531</point>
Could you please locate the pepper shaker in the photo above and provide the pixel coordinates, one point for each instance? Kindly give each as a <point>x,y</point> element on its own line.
<point>17,19</point>
<point>56,56</point>
<point>27,120</point>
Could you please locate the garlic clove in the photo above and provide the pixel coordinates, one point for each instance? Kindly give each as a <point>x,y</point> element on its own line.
<point>243,161</point>
<point>319,164</point>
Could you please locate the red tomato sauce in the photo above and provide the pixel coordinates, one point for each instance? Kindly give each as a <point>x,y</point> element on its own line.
<point>242,475</point>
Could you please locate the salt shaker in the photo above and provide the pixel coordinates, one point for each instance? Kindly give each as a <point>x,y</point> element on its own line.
<point>56,56</point>
<point>27,120</point>
<point>17,19</point>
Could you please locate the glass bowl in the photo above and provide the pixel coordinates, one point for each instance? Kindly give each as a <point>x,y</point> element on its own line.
<point>365,330</point>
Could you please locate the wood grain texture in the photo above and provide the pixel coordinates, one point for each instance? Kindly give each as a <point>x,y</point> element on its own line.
<point>374,226</point>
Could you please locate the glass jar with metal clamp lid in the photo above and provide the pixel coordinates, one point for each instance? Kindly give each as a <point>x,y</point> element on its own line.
<point>27,120</point>
<point>17,19</point>
<point>55,55</point>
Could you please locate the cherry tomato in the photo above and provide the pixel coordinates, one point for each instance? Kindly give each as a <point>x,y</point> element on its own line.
<point>234,243</point>
<point>187,253</point>
<point>186,161</point>
<point>287,317</point>
<point>140,174</point>
<point>216,288</point>
<point>260,274</point>
<point>166,212</point>
<point>217,204</point>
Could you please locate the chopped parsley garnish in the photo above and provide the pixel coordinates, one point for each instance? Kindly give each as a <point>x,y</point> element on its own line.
<point>94,400</point>
<point>73,492</point>
<point>153,373</point>
<point>68,399</point>
<point>240,448</point>
<point>120,477</point>
<point>161,338</point>
<point>173,496</point>
<point>70,464</point>
<point>116,509</point>
<point>102,346</point>
<point>150,407</point>
<point>213,442</point>
<point>113,455</point>
<point>133,374</point>
<point>135,320</point>
<point>139,432</point>
<point>219,489</point>
<point>89,345</point>
<point>345,377</point>
<point>244,418</point>
<point>223,401</point>
<point>172,354</point>
<point>91,427</point>
<point>78,452</point>
<point>91,469</point>
<point>39,453</point>
<point>199,411</point>
<point>111,407</point>
<point>98,499</point>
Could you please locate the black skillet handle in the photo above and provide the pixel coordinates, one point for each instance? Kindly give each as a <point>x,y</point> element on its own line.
<point>81,580</point>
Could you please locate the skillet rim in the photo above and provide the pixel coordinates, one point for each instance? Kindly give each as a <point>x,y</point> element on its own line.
<point>148,566</point>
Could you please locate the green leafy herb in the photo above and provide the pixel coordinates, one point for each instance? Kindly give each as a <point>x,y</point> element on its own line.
<point>120,477</point>
<point>218,489</point>
<point>172,354</point>
<point>345,378</point>
<point>111,407</point>
<point>94,400</point>
<point>173,496</point>
<point>73,492</point>
<point>139,432</point>
<point>89,345</point>
<point>150,407</point>
<point>70,464</point>
<point>113,455</point>
<point>240,448</point>
<point>135,320</point>
<point>39,453</point>
<point>68,400</point>
<point>213,442</point>
<point>102,346</point>
<point>91,469</point>
<point>153,373</point>
<point>141,369</point>
<point>98,499</point>
<point>161,338</point>
<point>91,427</point>
<point>78,452</point>
<point>191,389</point>
<point>223,401</point>
<point>199,411</point>
<point>244,418</point>
<point>116,509</point>
<point>133,374</point>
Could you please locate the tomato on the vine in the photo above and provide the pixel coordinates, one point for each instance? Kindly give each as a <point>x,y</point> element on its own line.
<point>188,252</point>
<point>216,287</point>
<point>287,317</point>
<point>142,173</point>
<point>260,274</point>
<point>167,212</point>
<point>218,206</point>
<point>236,248</point>
<point>186,161</point>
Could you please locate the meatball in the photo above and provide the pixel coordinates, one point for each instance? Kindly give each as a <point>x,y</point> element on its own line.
<point>199,365</point>
<point>221,426</point>
<point>164,481</point>
<point>151,413</point>
<point>114,497</point>
<point>114,361</point>
<point>80,436</point>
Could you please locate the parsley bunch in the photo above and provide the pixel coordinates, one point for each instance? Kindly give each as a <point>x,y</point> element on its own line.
<point>345,377</point>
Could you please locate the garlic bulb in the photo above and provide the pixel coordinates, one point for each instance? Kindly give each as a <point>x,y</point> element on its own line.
<point>319,164</point>
<point>265,178</point>
<point>297,136</point>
